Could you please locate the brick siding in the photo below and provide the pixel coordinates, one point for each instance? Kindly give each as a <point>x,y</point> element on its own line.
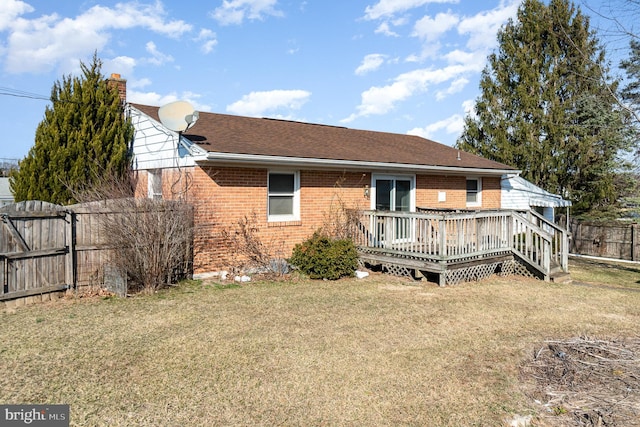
<point>222,196</point>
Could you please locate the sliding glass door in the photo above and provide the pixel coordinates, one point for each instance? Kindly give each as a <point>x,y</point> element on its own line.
<point>394,193</point>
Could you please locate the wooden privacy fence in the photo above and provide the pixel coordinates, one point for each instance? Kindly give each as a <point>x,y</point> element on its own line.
<point>611,239</point>
<point>36,249</point>
<point>47,248</point>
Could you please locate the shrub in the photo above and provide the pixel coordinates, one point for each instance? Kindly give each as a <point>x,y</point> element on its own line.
<point>322,257</point>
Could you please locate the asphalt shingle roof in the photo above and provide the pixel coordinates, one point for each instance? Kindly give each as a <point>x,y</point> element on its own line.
<point>223,133</point>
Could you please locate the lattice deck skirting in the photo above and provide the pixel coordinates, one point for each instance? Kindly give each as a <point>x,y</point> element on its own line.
<point>397,270</point>
<point>483,271</point>
<point>513,267</point>
<point>468,274</point>
<point>452,276</point>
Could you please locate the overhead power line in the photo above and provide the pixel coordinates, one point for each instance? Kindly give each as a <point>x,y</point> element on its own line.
<point>6,91</point>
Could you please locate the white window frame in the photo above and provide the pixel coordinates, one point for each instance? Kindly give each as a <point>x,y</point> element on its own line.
<point>295,216</point>
<point>154,184</point>
<point>478,202</point>
<point>411,178</point>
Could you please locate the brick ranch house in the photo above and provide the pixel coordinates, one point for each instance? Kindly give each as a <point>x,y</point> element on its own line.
<point>291,175</point>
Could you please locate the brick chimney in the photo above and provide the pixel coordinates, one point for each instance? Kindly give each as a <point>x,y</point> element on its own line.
<point>121,84</point>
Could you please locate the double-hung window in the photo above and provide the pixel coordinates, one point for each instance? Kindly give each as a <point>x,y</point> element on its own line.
<point>474,192</point>
<point>283,196</point>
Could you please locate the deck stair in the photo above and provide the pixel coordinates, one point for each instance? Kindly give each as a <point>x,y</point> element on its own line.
<point>463,245</point>
<point>557,275</point>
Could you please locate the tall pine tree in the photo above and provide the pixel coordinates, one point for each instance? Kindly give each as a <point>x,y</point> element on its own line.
<point>631,92</point>
<point>83,137</point>
<point>546,108</point>
<point>631,66</point>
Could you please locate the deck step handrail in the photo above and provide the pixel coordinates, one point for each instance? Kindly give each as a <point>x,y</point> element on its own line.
<point>454,236</point>
<point>560,239</point>
<point>532,243</point>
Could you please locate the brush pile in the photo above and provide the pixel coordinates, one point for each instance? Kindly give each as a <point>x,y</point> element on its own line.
<point>585,382</point>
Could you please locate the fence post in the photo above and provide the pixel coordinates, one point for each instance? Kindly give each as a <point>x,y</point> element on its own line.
<point>70,259</point>
<point>565,251</point>
<point>635,241</point>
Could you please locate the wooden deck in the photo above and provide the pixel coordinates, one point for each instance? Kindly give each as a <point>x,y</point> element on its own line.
<point>458,246</point>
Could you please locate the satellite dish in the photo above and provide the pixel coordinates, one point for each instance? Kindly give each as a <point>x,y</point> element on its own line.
<point>178,116</point>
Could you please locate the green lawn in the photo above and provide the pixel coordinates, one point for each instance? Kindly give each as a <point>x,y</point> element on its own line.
<point>380,351</point>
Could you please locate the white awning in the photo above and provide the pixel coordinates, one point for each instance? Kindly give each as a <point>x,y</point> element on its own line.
<point>549,202</point>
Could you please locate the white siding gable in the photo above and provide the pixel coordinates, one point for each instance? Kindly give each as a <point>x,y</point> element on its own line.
<point>519,194</point>
<point>156,147</point>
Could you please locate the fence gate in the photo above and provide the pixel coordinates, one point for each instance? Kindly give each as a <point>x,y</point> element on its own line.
<point>35,249</point>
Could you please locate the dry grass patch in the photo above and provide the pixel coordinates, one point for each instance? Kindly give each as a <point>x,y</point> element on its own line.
<point>612,274</point>
<point>379,351</point>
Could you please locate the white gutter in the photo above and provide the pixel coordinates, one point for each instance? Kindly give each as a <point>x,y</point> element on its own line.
<point>263,160</point>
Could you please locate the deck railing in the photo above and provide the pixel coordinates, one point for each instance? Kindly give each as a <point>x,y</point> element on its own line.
<point>541,241</point>
<point>458,236</point>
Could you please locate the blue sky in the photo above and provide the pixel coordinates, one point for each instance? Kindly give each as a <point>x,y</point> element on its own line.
<point>404,66</point>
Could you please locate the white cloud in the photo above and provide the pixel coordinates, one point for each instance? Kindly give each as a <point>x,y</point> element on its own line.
<point>381,100</point>
<point>386,8</point>
<point>478,35</point>
<point>453,125</point>
<point>294,47</point>
<point>150,98</point>
<point>483,27</point>
<point>208,39</point>
<point>139,83</point>
<point>469,107</point>
<point>258,103</point>
<point>42,44</point>
<point>132,15</point>
<point>455,87</point>
<point>461,57</point>
<point>370,63</point>
<point>429,50</point>
<point>10,10</point>
<point>153,98</point>
<point>430,29</point>
<point>384,29</point>
<point>123,65</point>
<point>157,57</point>
<point>234,12</point>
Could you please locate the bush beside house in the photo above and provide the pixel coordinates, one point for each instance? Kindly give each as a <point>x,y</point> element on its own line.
<point>322,257</point>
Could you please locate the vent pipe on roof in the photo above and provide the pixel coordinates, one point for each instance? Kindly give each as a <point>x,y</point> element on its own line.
<point>459,158</point>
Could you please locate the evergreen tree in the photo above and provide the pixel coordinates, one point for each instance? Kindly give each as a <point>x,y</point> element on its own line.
<point>631,92</point>
<point>83,137</point>
<point>546,109</point>
<point>631,66</point>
